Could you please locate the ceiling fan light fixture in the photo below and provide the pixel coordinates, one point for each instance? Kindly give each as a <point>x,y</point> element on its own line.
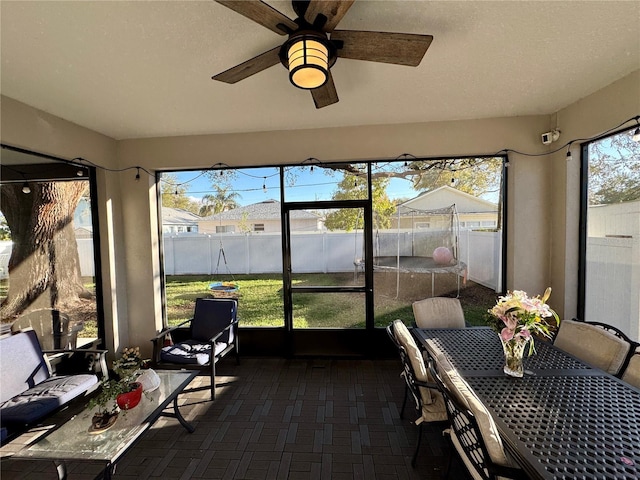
<point>308,61</point>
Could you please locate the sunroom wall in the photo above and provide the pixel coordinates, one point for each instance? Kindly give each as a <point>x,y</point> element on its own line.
<point>543,198</point>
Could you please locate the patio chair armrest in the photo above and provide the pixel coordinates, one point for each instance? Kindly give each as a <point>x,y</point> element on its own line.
<point>233,323</point>
<point>431,385</point>
<point>158,340</point>
<point>100,366</point>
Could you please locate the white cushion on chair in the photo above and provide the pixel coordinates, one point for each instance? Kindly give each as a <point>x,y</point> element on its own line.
<point>632,372</point>
<point>438,312</point>
<point>593,344</point>
<point>433,408</point>
<point>488,429</point>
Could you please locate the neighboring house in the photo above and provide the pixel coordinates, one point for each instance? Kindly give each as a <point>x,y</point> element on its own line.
<point>177,220</point>
<point>259,217</point>
<point>614,220</point>
<point>473,212</point>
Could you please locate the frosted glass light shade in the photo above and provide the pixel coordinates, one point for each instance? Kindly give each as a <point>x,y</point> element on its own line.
<point>308,63</point>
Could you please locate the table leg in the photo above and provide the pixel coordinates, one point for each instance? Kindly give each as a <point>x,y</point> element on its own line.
<point>190,428</point>
<point>61,468</point>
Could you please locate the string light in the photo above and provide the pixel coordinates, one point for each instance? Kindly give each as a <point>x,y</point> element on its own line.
<point>138,174</point>
<point>636,135</point>
<point>264,184</point>
<point>569,156</point>
<point>25,188</point>
<point>80,172</point>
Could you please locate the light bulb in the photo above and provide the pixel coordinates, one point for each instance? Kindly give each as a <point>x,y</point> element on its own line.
<point>636,135</point>
<point>569,156</point>
<point>25,188</point>
<point>138,175</point>
<point>80,172</point>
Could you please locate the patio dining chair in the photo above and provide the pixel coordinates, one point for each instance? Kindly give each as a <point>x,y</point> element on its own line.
<point>600,345</point>
<point>473,433</point>
<point>438,312</point>
<point>427,399</point>
<point>200,342</point>
<point>631,372</point>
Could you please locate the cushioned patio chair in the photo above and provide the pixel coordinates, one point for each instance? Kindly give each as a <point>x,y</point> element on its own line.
<point>427,399</point>
<point>438,312</point>
<point>200,342</point>
<point>631,372</point>
<point>596,343</point>
<point>473,433</point>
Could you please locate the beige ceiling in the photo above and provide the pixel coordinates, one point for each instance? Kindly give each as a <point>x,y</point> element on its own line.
<point>143,68</point>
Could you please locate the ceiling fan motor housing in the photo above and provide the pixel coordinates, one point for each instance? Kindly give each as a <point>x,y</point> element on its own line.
<point>308,55</point>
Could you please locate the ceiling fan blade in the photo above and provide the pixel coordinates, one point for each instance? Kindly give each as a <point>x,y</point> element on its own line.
<point>334,10</point>
<point>261,13</point>
<point>397,48</point>
<point>325,95</point>
<point>250,67</point>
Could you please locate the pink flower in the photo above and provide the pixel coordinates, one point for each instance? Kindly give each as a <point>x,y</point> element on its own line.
<point>506,334</point>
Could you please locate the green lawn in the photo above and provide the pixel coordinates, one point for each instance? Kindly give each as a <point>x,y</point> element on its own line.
<point>260,302</point>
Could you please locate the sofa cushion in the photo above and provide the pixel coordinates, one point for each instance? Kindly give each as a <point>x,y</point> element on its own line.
<point>22,365</point>
<point>44,398</point>
<point>190,352</point>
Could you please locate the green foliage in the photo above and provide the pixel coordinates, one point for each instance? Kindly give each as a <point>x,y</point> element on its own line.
<point>5,233</point>
<point>221,201</point>
<point>475,176</point>
<point>353,188</point>
<point>614,170</point>
<point>174,195</point>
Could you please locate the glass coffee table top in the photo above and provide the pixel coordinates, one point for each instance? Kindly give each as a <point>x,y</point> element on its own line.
<point>74,441</point>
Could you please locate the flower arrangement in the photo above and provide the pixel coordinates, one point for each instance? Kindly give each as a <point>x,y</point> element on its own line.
<point>519,316</point>
<point>129,364</point>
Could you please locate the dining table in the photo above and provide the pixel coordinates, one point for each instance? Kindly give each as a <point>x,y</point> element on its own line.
<point>564,419</point>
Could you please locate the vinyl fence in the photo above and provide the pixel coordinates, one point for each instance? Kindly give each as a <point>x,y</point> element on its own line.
<point>326,252</point>
<point>613,283</point>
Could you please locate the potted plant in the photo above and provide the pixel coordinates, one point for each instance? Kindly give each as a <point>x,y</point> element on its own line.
<point>121,393</point>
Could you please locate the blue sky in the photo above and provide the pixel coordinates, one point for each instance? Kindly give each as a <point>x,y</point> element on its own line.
<point>307,186</point>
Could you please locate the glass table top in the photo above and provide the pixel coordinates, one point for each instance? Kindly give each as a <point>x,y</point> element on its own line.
<point>74,441</point>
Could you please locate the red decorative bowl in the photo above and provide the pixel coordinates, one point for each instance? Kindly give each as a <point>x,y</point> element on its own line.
<point>129,400</point>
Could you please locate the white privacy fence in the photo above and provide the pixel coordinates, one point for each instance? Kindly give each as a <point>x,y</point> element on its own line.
<point>85,252</point>
<point>325,252</point>
<point>613,283</point>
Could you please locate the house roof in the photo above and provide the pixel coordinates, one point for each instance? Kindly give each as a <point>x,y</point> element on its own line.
<point>178,216</point>
<point>445,196</point>
<point>132,69</point>
<point>266,210</point>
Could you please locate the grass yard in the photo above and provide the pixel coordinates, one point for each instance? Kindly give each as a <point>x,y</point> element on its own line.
<point>261,304</point>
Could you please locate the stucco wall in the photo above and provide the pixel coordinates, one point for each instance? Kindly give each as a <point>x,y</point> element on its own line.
<point>543,192</point>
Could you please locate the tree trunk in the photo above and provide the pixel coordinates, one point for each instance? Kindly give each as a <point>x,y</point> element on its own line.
<point>44,267</point>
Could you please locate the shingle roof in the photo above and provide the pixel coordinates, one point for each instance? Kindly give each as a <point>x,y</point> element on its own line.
<point>269,209</point>
<point>172,216</point>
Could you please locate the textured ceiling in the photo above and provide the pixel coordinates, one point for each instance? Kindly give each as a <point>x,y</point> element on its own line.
<point>143,68</point>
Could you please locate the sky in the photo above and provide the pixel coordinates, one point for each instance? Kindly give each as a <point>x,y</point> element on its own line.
<point>307,186</point>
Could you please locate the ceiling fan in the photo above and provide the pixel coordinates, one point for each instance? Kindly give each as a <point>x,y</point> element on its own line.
<point>313,45</point>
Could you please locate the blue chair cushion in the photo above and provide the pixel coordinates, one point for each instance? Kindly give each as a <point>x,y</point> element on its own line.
<point>190,352</point>
<point>44,398</point>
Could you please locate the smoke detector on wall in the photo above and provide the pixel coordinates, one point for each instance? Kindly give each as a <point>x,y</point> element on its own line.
<point>550,137</point>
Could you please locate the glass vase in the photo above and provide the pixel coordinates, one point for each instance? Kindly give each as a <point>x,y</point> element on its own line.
<point>513,353</point>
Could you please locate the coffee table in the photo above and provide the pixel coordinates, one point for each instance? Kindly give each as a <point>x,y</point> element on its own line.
<point>72,441</point>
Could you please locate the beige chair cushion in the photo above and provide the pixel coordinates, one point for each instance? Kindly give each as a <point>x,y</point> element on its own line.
<point>593,344</point>
<point>488,429</point>
<point>433,408</point>
<point>632,372</point>
<point>438,312</point>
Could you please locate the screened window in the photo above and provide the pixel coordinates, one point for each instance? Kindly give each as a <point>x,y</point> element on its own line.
<point>610,280</point>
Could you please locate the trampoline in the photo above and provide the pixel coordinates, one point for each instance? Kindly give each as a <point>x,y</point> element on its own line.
<point>419,234</point>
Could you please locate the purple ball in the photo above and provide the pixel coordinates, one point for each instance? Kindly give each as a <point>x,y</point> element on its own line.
<point>442,256</point>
